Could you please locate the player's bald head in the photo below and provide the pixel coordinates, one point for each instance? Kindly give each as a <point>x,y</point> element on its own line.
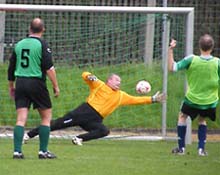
<point>37,25</point>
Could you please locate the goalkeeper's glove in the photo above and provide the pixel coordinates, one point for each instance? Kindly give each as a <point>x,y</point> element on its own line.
<point>158,97</point>
<point>92,78</point>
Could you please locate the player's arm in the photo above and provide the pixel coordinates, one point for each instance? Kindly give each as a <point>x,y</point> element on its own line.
<point>47,65</point>
<point>171,55</point>
<point>11,75</point>
<point>91,79</point>
<point>133,100</point>
<point>87,76</point>
<point>51,73</point>
<point>180,65</point>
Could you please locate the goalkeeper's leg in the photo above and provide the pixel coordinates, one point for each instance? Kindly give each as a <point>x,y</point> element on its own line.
<point>60,123</point>
<point>95,130</point>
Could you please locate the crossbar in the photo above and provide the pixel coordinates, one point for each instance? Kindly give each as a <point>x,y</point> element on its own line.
<point>25,7</point>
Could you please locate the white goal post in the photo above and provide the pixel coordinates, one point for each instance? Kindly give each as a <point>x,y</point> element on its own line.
<point>187,11</point>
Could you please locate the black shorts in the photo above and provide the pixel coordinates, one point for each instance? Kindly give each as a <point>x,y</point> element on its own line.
<point>194,112</point>
<point>32,91</point>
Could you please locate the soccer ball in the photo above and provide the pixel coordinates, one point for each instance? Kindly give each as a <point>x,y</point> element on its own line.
<point>143,87</point>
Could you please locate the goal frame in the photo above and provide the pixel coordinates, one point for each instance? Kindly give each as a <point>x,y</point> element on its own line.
<point>187,11</point>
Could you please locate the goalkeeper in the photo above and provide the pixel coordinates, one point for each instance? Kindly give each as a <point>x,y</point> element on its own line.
<point>103,99</point>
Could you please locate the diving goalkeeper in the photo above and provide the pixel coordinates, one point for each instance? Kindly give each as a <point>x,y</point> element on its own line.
<point>103,99</point>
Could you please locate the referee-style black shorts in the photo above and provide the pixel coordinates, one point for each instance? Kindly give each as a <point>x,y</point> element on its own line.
<point>32,91</point>
<point>194,112</point>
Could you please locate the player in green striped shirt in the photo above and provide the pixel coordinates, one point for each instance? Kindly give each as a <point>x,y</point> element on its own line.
<point>201,97</point>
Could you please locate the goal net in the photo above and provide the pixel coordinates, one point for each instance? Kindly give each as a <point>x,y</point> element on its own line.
<point>131,42</point>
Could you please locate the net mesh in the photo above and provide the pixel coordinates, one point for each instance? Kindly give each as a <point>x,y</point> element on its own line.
<point>101,43</point>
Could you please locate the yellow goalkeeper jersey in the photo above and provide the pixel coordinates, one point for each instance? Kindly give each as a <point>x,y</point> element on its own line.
<point>105,100</point>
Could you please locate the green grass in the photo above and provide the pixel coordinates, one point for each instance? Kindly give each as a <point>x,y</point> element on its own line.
<point>110,157</point>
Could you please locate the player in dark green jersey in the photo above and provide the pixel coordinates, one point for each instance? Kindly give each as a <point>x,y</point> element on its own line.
<point>201,97</point>
<point>30,62</point>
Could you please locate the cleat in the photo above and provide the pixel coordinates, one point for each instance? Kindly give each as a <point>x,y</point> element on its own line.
<point>18,155</point>
<point>77,141</point>
<point>46,155</point>
<point>178,151</point>
<point>202,152</point>
<point>26,138</point>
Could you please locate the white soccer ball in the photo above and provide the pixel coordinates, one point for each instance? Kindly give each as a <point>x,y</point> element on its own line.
<point>143,87</point>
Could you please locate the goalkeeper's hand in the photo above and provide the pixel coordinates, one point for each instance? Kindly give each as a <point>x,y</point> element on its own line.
<point>92,78</point>
<point>158,97</point>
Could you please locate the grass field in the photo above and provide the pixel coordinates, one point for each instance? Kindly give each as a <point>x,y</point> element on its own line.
<point>110,157</point>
